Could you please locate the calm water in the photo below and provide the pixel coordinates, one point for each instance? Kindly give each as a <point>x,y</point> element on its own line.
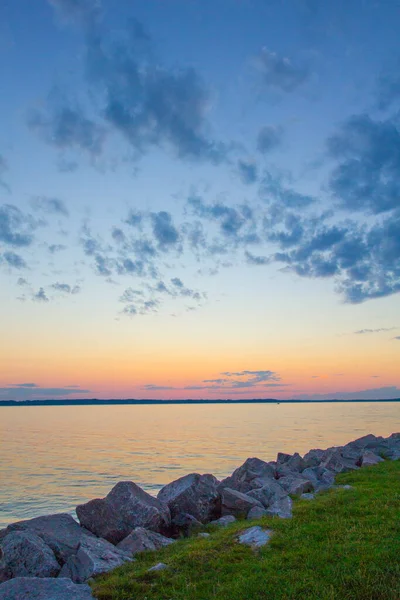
<point>55,457</point>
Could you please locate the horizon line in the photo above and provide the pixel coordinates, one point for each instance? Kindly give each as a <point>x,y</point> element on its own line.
<point>133,401</point>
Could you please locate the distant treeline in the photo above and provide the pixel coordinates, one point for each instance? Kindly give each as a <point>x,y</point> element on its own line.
<point>96,402</point>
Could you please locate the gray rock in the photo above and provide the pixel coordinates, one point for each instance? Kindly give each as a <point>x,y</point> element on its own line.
<point>367,441</point>
<point>282,470</point>
<point>282,458</point>
<point>35,588</point>
<point>194,494</point>
<point>204,535</point>
<point>94,557</point>
<point>296,463</point>
<point>313,458</point>
<point>127,506</point>
<point>60,532</point>
<point>256,537</point>
<point>158,567</point>
<point>281,507</point>
<point>370,458</point>
<point>307,496</point>
<point>321,478</point>
<point>224,521</point>
<point>268,494</point>
<point>334,461</point>
<point>184,525</point>
<point>256,513</point>
<point>253,473</point>
<point>237,504</point>
<point>296,485</point>
<point>24,554</point>
<point>140,540</point>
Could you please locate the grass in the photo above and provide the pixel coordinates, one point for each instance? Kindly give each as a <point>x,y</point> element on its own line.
<point>343,545</point>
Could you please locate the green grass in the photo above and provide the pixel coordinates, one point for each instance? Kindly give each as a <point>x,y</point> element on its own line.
<point>343,545</point>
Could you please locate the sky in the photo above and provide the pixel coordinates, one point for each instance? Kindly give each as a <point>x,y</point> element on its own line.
<point>199,199</point>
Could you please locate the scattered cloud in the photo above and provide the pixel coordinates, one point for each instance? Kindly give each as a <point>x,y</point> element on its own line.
<point>66,288</point>
<point>269,138</point>
<point>13,260</point>
<point>279,73</point>
<point>247,172</point>
<point>3,169</point>
<point>50,205</point>
<point>40,296</point>
<point>32,391</point>
<point>85,12</point>
<point>16,228</point>
<point>151,386</point>
<point>379,330</point>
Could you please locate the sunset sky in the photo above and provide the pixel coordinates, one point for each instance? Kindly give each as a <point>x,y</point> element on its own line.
<point>200,199</point>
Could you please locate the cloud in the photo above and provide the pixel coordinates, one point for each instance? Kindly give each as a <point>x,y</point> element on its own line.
<point>366,177</point>
<point>14,260</point>
<point>164,230</point>
<point>243,379</point>
<point>247,172</point>
<point>273,188</point>
<point>32,391</point>
<point>66,126</point>
<point>40,296</point>
<point>269,138</point>
<point>397,337</point>
<point>54,248</point>
<point>16,229</point>
<point>382,393</point>
<point>379,330</point>
<point>85,12</point>
<point>151,386</point>
<point>50,205</point>
<point>3,169</point>
<point>388,87</point>
<point>66,288</point>
<point>279,73</point>
<point>251,259</point>
<point>21,281</point>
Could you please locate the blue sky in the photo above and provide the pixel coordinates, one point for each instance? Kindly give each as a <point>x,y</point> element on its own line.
<point>194,188</point>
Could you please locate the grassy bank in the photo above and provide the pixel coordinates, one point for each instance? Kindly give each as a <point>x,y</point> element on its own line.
<point>345,544</point>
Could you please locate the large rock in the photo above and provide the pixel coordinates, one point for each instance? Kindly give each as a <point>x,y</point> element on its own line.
<point>367,441</point>
<point>141,539</point>
<point>183,525</point>
<point>296,463</point>
<point>127,506</point>
<point>255,537</point>
<point>253,473</point>
<point>321,478</point>
<point>281,507</point>
<point>94,557</point>
<point>256,513</point>
<point>237,504</point>
<point>24,554</point>
<point>313,458</point>
<point>268,494</point>
<point>369,458</point>
<point>61,532</point>
<point>194,494</point>
<point>34,588</point>
<point>224,521</point>
<point>296,485</point>
<point>334,461</point>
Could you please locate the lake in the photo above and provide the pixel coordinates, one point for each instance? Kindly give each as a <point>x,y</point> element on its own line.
<point>55,457</point>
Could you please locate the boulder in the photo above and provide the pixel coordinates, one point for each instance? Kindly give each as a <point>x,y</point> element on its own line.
<point>321,478</point>
<point>307,496</point>
<point>282,458</point>
<point>296,485</point>
<point>256,513</point>
<point>334,461</point>
<point>255,537</point>
<point>313,458</point>
<point>36,588</point>
<point>281,507</point>
<point>268,494</point>
<point>127,506</point>
<point>184,525</point>
<point>60,532</point>
<point>194,494</point>
<point>141,539</point>
<point>237,504</point>
<point>94,557</point>
<point>24,554</point>
<point>158,567</point>
<point>224,521</point>
<point>253,473</point>
<point>296,463</point>
<point>367,441</point>
<point>369,458</point>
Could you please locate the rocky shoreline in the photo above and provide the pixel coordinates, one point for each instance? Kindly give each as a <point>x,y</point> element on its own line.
<point>54,556</point>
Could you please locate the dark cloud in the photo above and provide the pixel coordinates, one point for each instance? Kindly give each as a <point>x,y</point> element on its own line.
<point>50,205</point>
<point>135,218</point>
<point>54,248</point>
<point>269,138</point>
<point>397,337</point>
<point>243,379</point>
<point>66,288</point>
<point>247,172</point>
<point>164,231</point>
<point>32,391</point>
<point>40,296</point>
<point>65,127</point>
<point>252,259</point>
<point>379,330</point>
<point>151,386</point>
<point>130,295</point>
<point>366,177</point>
<point>273,188</point>
<point>21,281</point>
<point>279,73</point>
<point>16,228</point>
<point>14,260</point>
